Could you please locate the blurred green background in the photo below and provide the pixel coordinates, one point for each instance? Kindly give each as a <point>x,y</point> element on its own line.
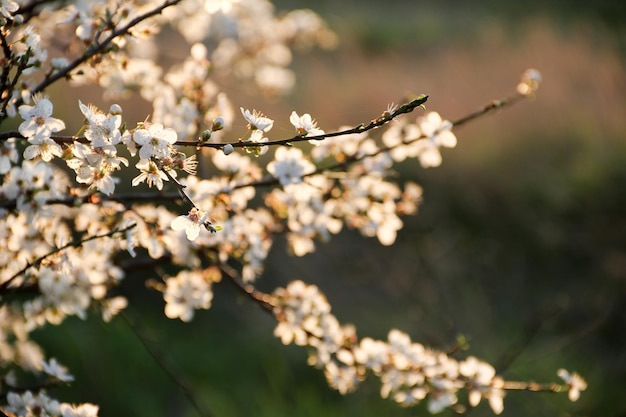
<point>520,244</point>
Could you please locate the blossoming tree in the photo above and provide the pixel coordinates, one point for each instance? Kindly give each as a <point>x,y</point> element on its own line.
<point>65,221</point>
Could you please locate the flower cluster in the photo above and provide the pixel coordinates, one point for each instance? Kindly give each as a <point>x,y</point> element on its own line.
<point>96,161</point>
<point>186,292</point>
<point>408,371</point>
<point>421,139</point>
<point>37,127</point>
<point>252,42</point>
<point>64,239</point>
<point>39,404</point>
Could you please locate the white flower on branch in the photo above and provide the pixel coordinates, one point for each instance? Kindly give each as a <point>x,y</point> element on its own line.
<point>440,400</point>
<point>384,222</point>
<point>289,165</point>
<point>102,129</point>
<point>186,292</point>
<point>94,165</point>
<point>112,306</point>
<point>30,46</point>
<point>576,383</point>
<point>529,83</point>
<point>191,223</point>
<point>257,136</point>
<point>80,410</point>
<point>374,162</point>
<point>56,370</point>
<point>257,120</point>
<point>410,397</point>
<point>29,404</point>
<point>32,184</point>
<point>481,376</point>
<point>62,245</point>
<point>8,7</point>
<point>154,141</point>
<point>150,173</point>
<point>420,140</point>
<point>305,125</point>
<point>398,138</point>
<point>28,355</point>
<point>38,122</point>
<point>45,148</point>
<point>437,130</point>
<point>408,371</point>
<point>438,134</point>
<point>342,378</point>
<point>8,155</point>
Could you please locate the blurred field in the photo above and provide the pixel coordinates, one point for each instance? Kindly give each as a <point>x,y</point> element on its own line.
<point>520,244</point>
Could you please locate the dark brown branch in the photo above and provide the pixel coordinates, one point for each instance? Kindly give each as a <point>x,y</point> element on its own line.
<point>180,187</point>
<point>263,300</point>
<point>492,106</point>
<point>405,108</point>
<point>28,10</point>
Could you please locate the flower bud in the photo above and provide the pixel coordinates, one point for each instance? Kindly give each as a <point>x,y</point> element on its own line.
<point>218,123</point>
<point>206,135</point>
<point>115,109</point>
<point>228,149</point>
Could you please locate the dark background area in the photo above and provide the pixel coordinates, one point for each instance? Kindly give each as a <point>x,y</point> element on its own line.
<point>519,246</point>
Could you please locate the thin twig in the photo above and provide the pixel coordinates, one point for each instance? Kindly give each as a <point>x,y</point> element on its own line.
<point>405,108</point>
<point>378,122</point>
<point>530,331</point>
<point>264,300</point>
<point>180,187</point>
<point>169,370</point>
<point>493,105</point>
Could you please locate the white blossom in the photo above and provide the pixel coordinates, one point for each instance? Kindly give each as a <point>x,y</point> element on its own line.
<point>305,125</point>
<point>38,121</point>
<point>289,165</point>
<point>576,383</point>
<point>191,223</point>
<point>154,141</point>
<point>186,292</point>
<point>8,7</point>
<point>56,370</point>
<point>257,120</point>
<point>101,129</point>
